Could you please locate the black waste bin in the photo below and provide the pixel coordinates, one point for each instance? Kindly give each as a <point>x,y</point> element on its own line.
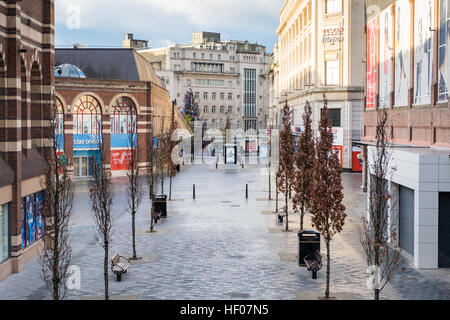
<point>309,242</point>
<point>161,205</point>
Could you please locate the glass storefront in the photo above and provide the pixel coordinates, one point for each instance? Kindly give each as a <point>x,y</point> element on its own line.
<point>33,221</point>
<point>4,232</point>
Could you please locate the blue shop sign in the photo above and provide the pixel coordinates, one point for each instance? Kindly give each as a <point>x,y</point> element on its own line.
<point>86,141</point>
<point>121,140</point>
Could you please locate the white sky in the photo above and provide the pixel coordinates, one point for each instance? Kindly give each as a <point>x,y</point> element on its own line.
<point>104,22</point>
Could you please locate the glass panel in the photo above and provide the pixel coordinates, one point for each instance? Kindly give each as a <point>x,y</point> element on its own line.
<point>4,233</point>
<point>84,167</point>
<point>76,167</point>
<point>87,124</point>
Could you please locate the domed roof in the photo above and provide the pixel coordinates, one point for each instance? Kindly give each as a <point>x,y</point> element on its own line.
<point>69,71</point>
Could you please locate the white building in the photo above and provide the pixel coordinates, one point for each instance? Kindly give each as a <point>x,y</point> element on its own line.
<point>227,78</point>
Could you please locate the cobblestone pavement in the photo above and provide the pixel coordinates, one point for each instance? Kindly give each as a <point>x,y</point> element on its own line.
<point>219,246</point>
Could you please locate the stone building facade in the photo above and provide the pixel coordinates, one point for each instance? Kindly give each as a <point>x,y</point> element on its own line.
<point>227,78</point>
<point>26,84</point>
<point>320,53</point>
<point>407,53</point>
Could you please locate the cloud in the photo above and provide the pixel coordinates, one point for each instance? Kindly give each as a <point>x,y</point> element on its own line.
<point>171,19</point>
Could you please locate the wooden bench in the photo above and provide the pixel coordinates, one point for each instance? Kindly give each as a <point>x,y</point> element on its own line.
<point>119,265</point>
<point>314,263</point>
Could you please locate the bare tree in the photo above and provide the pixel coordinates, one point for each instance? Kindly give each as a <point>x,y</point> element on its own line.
<point>378,229</point>
<point>153,177</point>
<point>134,185</point>
<point>57,253</point>
<point>101,201</point>
<point>161,156</point>
<point>304,160</point>
<point>327,210</point>
<point>171,168</point>
<point>285,172</point>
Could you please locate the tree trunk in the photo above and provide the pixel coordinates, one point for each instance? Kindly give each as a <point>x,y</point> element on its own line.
<point>170,188</point>
<point>55,266</point>
<point>270,185</point>
<point>133,219</point>
<point>105,270</point>
<point>287,213</point>
<point>302,214</point>
<point>327,290</point>
<point>276,193</point>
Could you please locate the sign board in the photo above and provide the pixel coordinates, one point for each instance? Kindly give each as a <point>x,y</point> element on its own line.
<point>332,34</point>
<point>120,159</point>
<point>296,130</point>
<point>86,141</point>
<point>338,134</point>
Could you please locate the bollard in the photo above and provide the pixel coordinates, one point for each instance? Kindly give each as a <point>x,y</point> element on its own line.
<point>193,191</point>
<point>216,165</point>
<point>246,191</point>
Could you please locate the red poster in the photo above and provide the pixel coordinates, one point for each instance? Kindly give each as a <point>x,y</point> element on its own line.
<point>120,159</point>
<point>372,63</point>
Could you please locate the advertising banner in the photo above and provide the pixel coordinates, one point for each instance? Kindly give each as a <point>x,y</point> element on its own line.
<point>120,159</point>
<point>423,51</point>
<point>372,63</point>
<point>386,47</point>
<point>338,134</point>
<point>402,52</point>
<point>444,52</point>
<point>120,141</point>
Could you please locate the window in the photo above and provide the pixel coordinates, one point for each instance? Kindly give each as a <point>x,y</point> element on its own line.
<point>335,117</point>
<point>222,109</point>
<point>213,96</point>
<point>230,109</point>
<point>333,6</point>
<point>123,118</point>
<point>167,80</point>
<point>197,95</point>
<point>211,56</point>
<point>249,93</point>
<point>205,95</point>
<point>4,232</point>
<point>332,76</point>
<point>205,109</point>
<point>220,57</point>
<point>188,82</point>
<point>222,96</point>
<point>59,130</point>
<point>444,65</point>
<point>86,115</point>
<point>213,110</point>
<point>230,96</point>
<point>194,55</point>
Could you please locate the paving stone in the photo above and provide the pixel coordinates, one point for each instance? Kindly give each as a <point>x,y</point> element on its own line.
<point>214,250</point>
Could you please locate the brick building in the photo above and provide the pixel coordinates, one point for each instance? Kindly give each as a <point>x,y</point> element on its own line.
<point>26,67</point>
<point>407,75</point>
<point>104,85</point>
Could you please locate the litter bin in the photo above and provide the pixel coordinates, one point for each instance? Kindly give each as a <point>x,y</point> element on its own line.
<point>309,242</point>
<point>161,205</point>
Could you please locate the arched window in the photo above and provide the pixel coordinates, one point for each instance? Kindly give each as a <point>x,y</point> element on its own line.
<point>123,119</point>
<point>59,118</point>
<point>86,115</point>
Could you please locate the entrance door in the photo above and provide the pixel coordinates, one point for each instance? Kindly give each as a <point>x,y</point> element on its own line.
<point>82,167</point>
<point>444,230</point>
<point>407,219</point>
